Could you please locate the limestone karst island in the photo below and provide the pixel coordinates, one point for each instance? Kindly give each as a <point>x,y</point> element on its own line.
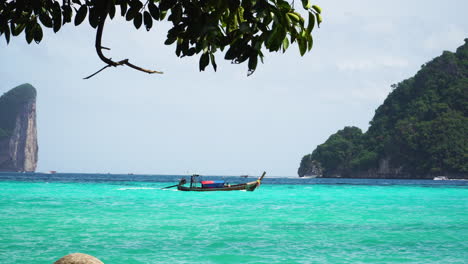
<point>18,132</point>
<point>420,131</point>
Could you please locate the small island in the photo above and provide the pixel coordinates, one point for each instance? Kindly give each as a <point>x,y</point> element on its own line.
<point>18,131</point>
<point>419,132</point>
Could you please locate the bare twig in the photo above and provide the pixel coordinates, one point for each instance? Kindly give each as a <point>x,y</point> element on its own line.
<point>99,48</point>
<point>144,6</point>
<point>141,69</point>
<point>96,72</point>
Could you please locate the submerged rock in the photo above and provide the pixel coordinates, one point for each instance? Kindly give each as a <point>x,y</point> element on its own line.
<point>78,258</point>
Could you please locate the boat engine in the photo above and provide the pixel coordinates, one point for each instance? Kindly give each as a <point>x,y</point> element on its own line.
<point>182,181</point>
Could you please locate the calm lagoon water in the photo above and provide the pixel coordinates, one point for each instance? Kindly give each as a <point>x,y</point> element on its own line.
<point>129,219</point>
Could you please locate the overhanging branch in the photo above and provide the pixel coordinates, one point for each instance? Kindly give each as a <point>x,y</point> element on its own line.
<point>99,49</point>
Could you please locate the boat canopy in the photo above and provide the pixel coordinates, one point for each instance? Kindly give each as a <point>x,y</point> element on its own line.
<point>212,184</point>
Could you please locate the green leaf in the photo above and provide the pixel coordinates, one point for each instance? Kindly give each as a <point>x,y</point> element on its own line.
<point>45,19</point>
<point>154,10</point>
<point>285,44</point>
<point>302,43</point>
<point>81,14</point>
<point>123,8</point>
<point>18,29</point>
<point>148,20</point>
<point>244,27</point>
<point>311,24</point>
<point>111,10</point>
<point>4,29</point>
<point>317,9</point>
<point>67,14</point>
<point>178,49</point>
<point>275,40</point>
<point>283,5</point>
<point>191,51</point>
<point>7,35</point>
<point>295,17</point>
<point>162,14</point>
<point>29,32</point>
<point>204,61</point>
<point>213,62</point>
<point>38,33</point>
<point>306,4</point>
<point>240,14</point>
<point>231,53</point>
<point>170,40</point>
<point>93,17</point>
<point>165,5</point>
<point>253,60</point>
<point>310,42</point>
<point>136,4</point>
<point>131,13</point>
<point>57,16</point>
<point>319,19</point>
<point>271,36</point>
<point>138,20</point>
<point>176,14</point>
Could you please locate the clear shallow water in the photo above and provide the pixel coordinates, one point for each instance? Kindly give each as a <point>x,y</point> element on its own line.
<point>136,222</point>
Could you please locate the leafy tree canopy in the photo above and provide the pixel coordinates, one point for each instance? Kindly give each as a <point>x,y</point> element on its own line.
<point>421,128</point>
<point>244,28</point>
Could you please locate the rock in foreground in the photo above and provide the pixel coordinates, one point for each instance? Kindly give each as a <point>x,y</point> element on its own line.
<point>78,258</point>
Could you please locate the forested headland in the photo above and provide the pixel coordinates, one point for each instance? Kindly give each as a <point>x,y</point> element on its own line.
<point>420,131</point>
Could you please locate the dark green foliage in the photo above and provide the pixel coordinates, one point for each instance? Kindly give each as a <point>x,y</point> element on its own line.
<point>11,103</point>
<point>244,29</point>
<point>310,166</point>
<point>3,133</point>
<point>421,127</point>
<point>339,153</point>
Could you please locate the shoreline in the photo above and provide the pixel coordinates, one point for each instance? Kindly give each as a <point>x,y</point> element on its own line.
<point>136,175</point>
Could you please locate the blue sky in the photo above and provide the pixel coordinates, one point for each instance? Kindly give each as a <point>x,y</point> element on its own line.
<point>222,123</point>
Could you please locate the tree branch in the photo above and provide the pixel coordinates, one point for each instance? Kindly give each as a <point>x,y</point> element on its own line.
<point>141,69</point>
<point>85,78</point>
<point>99,47</point>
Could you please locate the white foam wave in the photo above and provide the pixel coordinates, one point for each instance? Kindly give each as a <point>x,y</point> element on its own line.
<point>136,188</point>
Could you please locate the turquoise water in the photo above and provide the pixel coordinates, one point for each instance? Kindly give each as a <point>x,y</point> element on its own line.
<point>139,223</point>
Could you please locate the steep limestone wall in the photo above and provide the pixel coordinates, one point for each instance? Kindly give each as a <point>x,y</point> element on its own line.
<point>19,149</point>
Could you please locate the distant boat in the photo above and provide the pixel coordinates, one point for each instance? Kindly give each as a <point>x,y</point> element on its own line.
<point>309,176</point>
<point>244,176</point>
<point>209,186</point>
<point>441,178</point>
<point>52,172</point>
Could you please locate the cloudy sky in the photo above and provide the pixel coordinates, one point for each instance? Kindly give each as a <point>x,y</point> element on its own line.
<point>222,123</point>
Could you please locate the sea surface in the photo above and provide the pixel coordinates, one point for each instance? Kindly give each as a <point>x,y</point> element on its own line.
<point>130,219</point>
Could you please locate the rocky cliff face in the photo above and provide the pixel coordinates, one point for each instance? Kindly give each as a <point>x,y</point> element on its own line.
<point>420,131</point>
<point>18,145</point>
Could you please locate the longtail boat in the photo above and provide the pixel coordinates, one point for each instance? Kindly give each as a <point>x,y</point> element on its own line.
<point>210,186</point>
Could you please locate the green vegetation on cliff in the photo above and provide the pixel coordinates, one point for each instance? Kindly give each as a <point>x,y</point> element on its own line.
<point>419,131</point>
<point>11,103</point>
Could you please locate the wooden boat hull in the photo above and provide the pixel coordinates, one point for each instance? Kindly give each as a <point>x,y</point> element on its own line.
<point>249,186</point>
